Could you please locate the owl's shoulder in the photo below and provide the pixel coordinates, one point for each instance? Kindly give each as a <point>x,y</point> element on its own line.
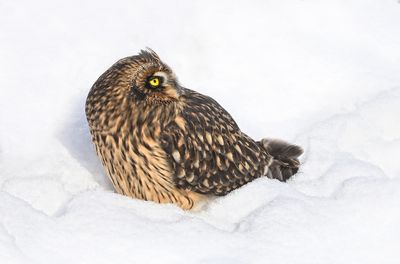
<point>197,99</point>
<point>204,109</point>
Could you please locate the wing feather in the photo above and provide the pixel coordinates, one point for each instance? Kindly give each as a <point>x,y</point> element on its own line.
<point>210,155</point>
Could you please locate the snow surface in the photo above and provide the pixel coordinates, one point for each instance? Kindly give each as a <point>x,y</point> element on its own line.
<point>323,74</point>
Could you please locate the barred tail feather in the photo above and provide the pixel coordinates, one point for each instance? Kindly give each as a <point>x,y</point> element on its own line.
<point>285,158</point>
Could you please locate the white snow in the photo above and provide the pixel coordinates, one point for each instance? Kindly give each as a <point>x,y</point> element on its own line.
<point>323,74</point>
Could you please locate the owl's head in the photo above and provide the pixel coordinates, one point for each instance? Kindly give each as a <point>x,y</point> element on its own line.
<point>152,80</point>
<point>141,78</point>
<point>135,89</point>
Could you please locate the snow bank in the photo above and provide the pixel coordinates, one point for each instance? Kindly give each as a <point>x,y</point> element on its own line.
<point>322,74</point>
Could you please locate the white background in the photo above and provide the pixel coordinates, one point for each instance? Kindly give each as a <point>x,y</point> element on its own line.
<point>323,74</point>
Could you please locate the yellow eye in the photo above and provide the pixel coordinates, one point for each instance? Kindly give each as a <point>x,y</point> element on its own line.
<point>154,82</point>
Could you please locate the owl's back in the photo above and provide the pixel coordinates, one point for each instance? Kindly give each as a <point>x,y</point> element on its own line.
<point>208,152</point>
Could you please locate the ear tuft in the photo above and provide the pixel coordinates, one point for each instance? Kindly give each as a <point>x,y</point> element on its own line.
<point>149,54</point>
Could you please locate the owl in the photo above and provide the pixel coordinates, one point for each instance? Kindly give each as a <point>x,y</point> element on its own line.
<point>161,142</point>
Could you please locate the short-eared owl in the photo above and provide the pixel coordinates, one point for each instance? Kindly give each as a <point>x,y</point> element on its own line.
<point>162,142</point>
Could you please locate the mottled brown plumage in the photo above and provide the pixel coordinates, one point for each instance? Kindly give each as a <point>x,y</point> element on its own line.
<point>161,142</point>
